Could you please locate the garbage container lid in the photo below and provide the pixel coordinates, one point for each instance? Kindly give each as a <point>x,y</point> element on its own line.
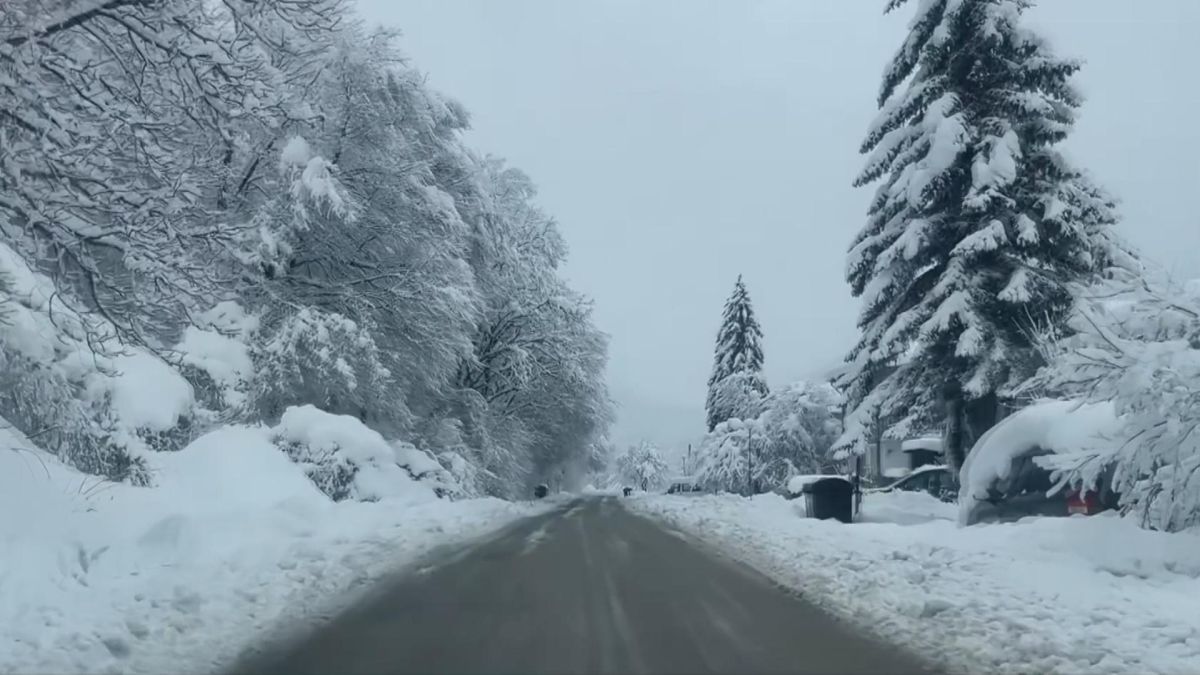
<point>804,483</point>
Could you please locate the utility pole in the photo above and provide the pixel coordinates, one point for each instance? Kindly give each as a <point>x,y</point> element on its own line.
<point>749,464</point>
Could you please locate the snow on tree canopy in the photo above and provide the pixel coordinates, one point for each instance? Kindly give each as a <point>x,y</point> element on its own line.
<point>642,466</point>
<point>279,153</point>
<point>738,353</point>
<point>1136,346</point>
<point>976,229</point>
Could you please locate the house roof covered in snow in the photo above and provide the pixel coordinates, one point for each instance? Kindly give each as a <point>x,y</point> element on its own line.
<point>933,443</point>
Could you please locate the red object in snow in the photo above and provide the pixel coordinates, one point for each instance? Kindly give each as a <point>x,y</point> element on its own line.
<point>1088,504</point>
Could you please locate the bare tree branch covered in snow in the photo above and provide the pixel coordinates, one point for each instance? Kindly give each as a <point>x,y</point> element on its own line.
<point>1137,344</point>
<point>262,198</point>
<point>127,134</point>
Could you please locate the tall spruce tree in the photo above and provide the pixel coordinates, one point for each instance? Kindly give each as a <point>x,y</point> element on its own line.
<point>737,360</point>
<point>978,224</point>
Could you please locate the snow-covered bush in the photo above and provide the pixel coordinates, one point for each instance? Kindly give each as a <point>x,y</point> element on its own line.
<point>214,355</point>
<point>97,405</point>
<point>348,460</point>
<point>428,470</point>
<point>1137,344</point>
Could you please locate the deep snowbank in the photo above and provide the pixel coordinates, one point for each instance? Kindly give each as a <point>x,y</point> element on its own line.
<point>104,577</point>
<point>1050,595</point>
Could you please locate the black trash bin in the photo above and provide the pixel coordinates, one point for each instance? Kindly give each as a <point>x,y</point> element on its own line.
<point>831,497</point>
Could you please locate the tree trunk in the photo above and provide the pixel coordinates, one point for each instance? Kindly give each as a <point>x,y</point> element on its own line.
<point>966,421</point>
<point>955,444</point>
<point>981,415</point>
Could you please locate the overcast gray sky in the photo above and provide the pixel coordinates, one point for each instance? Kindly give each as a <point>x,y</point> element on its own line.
<point>682,142</point>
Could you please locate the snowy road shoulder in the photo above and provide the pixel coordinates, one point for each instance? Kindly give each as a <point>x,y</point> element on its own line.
<point>102,577</point>
<point>1052,595</point>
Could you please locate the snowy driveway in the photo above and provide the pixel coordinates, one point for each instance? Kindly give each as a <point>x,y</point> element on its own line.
<point>588,588</point>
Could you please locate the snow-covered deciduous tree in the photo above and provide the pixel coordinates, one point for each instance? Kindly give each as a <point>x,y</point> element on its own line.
<point>729,458</point>
<point>125,135</point>
<point>800,424</point>
<point>162,160</point>
<point>642,466</point>
<point>1136,343</point>
<point>977,229</point>
<point>738,352</point>
<point>537,359</point>
<point>791,432</point>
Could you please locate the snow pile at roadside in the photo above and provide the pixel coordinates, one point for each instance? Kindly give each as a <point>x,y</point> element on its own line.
<point>1049,595</point>
<point>905,508</point>
<point>233,542</point>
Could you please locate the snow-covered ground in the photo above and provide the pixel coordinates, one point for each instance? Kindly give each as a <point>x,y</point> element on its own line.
<point>232,542</point>
<point>1050,595</point>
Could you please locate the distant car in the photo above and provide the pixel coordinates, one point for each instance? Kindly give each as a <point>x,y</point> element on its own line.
<point>938,481</point>
<point>684,487</point>
<point>627,491</point>
<point>541,491</point>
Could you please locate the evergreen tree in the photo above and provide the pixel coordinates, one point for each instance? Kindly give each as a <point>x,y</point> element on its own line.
<point>977,228</point>
<point>739,351</point>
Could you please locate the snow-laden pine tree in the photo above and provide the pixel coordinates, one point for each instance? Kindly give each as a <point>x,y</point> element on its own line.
<point>977,228</point>
<point>738,352</point>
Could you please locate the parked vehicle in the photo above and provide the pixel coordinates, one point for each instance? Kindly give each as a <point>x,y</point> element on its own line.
<point>686,486</point>
<point>541,491</point>
<point>936,480</point>
<point>1027,492</point>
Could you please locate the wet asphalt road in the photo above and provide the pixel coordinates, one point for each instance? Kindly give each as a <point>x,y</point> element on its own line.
<point>589,588</point>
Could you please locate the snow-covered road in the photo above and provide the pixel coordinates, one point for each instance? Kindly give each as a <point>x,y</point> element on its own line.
<point>587,589</point>
<point>1051,595</point>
